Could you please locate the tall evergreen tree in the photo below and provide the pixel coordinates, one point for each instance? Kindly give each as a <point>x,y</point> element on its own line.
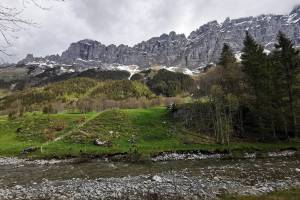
<point>252,57</point>
<point>229,71</point>
<point>256,67</point>
<point>287,66</point>
<point>227,56</point>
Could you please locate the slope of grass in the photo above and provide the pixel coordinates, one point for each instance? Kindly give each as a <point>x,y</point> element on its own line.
<point>123,89</point>
<point>106,126</point>
<point>147,131</point>
<point>149,128</point>
<point>34,129</point>
<point>71,90</point>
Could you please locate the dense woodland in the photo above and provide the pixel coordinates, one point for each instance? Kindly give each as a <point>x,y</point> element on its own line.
<point>257,99</point>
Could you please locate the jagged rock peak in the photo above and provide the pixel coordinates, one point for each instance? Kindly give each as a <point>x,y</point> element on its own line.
<point>296,9</point>
<point>226,22</point>
<point>203,46</point>
<point>210,26</point>
<point>88,42</point>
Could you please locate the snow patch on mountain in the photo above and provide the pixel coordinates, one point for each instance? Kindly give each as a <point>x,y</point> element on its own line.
<point>180,69</point>
<point>293,18</point>
<point>132,69</point>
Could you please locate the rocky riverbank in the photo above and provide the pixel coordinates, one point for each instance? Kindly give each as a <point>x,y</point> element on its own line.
<point>21,161</point>
<point>163,186</point>
<point>203,156</point>
<point>158,158</point>
<point>197,180</point>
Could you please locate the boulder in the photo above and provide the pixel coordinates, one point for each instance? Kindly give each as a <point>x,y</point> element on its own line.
<point>100,143</point>
<point>157,178</point>
<point>28,150</point>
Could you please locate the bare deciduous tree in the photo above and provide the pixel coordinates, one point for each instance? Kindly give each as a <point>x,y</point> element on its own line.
<point>12,21</point>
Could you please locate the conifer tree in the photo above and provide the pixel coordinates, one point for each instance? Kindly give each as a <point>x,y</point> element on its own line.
<point>229,71</point>
<point>287,67</point>
<point>227,56</point>
<point>252,58</point>
<point>256,67</point>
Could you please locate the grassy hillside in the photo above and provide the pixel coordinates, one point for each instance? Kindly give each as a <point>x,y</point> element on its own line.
<point>70,91</point>
<point>72,134</point>
<point>167,83</point>
<point>118,90</point>
<point>147,131</point>
<point>34,129</point>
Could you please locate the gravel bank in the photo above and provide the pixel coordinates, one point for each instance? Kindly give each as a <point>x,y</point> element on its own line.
<point>202,182</point>
<point>20,161</point>
<point>164,186</point>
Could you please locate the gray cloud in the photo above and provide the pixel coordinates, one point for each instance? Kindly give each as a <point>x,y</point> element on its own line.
<point>127,21</point>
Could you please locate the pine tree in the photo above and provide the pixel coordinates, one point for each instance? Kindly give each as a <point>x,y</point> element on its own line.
<point>256,67</point>
<point>252,57</point>
<point>229,71</point>
<point>287,66</point>
<point>227,56</point>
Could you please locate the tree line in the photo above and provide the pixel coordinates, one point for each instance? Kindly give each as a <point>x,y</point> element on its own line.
<point>257,98</point>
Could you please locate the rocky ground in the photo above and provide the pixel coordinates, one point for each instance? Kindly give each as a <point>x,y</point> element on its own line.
<point>204,182</point>
<point>163,186</point>
<point>20,161</point>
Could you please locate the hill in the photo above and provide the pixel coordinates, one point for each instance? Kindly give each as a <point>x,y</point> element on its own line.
<point>151,130</point>
<point>34,78</point>
<point>166,83</point>
<point>73,93</point>
<point>135,132</point>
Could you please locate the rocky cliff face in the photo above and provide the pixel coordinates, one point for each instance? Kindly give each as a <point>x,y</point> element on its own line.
<point>205,44</point>
<point>163,50</point>
<point>200,48</point>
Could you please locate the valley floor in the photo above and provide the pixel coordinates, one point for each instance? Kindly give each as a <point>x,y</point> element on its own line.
<point>136,135</point>
<point>139,133</point>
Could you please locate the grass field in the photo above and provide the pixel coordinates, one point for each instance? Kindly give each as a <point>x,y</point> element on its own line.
<point>73,134</point>
<point>292,194</point>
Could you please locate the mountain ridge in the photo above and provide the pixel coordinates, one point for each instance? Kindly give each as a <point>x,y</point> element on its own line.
<point>200,48</point>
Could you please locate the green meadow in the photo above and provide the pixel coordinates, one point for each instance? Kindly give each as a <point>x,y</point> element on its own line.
<point>143,131</point>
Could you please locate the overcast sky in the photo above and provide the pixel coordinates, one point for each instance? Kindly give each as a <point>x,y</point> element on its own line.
<point>124,21</point>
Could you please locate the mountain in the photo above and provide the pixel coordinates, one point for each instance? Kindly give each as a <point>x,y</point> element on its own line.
<point>200,48</point>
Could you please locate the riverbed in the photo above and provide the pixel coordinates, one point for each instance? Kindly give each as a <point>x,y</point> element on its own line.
<point>177,179</point>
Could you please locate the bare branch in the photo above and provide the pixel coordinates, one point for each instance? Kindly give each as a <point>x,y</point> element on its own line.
<point>5,52</point>
<point>12,21</point>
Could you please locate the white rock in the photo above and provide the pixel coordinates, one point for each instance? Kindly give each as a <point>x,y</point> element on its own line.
<point>157,178</point>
